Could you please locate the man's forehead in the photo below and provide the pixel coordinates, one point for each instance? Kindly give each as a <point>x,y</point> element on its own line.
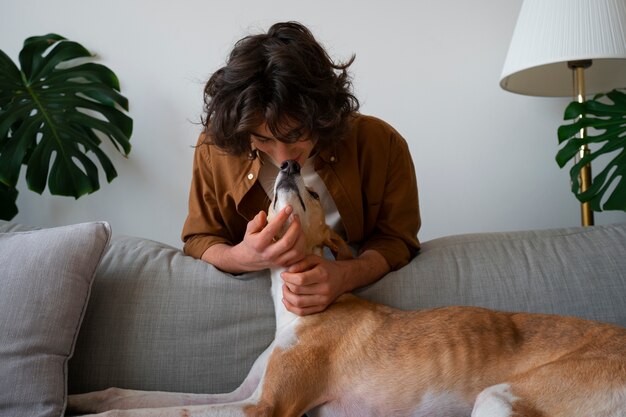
<point>258,135</point>
<point>286,128</point>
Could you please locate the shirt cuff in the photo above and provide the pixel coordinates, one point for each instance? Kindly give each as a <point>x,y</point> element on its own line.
<point>195,246</point>
<point>395,251</point>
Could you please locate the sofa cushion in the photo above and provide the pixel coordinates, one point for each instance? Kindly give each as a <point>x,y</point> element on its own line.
<point>160,320</point>
<point>45,282</point>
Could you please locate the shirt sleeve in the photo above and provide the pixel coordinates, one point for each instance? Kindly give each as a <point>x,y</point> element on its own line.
<point>398,221</point>
<point>204,226</point>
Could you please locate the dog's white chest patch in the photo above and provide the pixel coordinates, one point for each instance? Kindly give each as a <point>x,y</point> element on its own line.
<point>286,336</point>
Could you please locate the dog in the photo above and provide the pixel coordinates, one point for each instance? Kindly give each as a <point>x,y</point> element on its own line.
<point>359,358</point>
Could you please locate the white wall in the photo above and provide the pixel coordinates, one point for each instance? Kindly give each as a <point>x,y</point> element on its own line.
<point>484,157</point>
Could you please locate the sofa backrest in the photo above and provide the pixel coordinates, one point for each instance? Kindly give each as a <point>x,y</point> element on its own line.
<point>572,271</point>
<point>159,320</point>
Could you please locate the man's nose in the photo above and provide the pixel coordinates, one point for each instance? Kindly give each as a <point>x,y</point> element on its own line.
<point>284,152</point>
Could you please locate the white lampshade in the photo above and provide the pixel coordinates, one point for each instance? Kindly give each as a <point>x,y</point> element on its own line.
<point>549,33</point>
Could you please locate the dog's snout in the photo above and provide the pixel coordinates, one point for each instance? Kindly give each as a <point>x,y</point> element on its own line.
<point>290,167</point>
<point>288,184</point>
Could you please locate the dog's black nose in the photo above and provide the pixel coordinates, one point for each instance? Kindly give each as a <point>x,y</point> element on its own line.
<point>290,167</point>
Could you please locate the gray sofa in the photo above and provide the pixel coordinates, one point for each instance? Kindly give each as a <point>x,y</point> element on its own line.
<point>159,320</point>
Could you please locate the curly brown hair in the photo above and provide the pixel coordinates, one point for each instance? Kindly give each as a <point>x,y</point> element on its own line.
<point>284,78</point>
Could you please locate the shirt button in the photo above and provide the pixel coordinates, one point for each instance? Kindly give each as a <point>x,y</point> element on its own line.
<point>250,176</point>
<point>332,159</point>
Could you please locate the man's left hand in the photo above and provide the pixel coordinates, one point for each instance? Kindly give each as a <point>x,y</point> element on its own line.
<point>312,284</point>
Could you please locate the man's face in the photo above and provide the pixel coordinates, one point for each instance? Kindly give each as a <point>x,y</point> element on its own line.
<point>263,140</point>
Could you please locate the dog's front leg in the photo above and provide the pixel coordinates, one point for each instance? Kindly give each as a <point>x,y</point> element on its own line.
<point>239,409</point>
<point>124,399</point>
<point>112,401</point>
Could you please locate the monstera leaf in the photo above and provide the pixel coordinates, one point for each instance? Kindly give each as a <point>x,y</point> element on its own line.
<point>606,116</point>
<point>54,112</point>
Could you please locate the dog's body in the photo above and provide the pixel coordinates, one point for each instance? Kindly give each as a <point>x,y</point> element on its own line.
<point>363,359</point>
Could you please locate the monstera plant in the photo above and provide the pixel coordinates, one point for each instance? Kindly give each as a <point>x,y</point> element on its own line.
<point>605,116</point>
<point>54,113</point>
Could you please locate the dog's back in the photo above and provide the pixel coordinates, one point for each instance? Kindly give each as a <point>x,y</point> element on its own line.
<point>379,359</point>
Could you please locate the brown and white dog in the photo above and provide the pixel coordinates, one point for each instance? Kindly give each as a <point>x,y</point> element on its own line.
<point>361,359</point>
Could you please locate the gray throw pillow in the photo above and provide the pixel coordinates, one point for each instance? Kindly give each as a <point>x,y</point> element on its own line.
<point>45,281</point>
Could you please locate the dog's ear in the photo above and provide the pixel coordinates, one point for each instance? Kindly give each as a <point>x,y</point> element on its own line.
<point>337,245</point>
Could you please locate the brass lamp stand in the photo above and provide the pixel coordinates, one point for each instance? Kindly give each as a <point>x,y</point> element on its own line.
<point>551,33</point>
<point>578,69</point>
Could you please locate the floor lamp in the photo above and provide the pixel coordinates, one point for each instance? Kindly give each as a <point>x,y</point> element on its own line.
<point>568,48</point>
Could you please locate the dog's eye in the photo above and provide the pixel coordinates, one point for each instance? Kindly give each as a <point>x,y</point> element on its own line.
<point>314,194</point>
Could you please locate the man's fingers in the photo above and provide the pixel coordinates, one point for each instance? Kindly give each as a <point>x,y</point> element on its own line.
<point>288,240</point>
<point>276,225</point>
<point>303,265</point>
<point>301,289</point>
<point>288,249</point>
<point>257,223</point>
<point>305,310</point>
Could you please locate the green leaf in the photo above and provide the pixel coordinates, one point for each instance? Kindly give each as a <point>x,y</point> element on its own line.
<point>32,52</point>
<point>13,152</point>
<point>8,197</point>
<point>606,115</point>
<point>54,111</point>
<point>9,73</point>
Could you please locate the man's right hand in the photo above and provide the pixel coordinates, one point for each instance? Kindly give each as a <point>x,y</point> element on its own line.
<point>259,248</point>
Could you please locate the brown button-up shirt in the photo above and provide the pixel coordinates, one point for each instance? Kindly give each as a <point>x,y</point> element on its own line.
<point>369,174</point>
